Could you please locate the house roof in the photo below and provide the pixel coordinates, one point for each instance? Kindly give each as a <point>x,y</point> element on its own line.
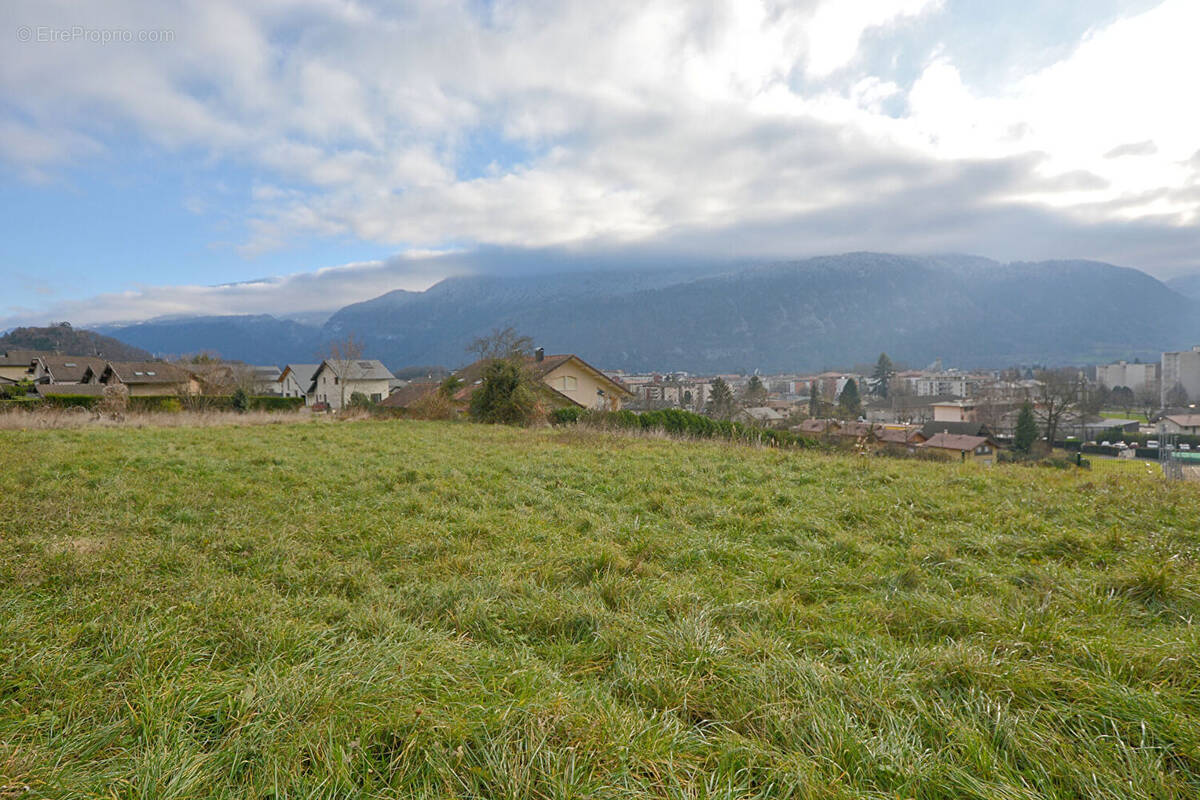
<point>897,435</point>
<point>86,389</point>
<point>819,425</point>
<point>357,369</point>
<point>20,358</point>
<point>472,374</point>
<point>957,442</point>
<point>265,372</point>
<point>69,369</point>
<point>405,396</point>
<point>1185,420</point>
<point>550,363</point>
<point>140,372</point>
<point>763,414</point>
<point>931,429</point>
<point>303,373</point>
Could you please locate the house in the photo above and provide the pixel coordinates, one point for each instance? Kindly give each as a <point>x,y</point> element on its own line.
<point>819,427</point>
<point>953,411</point>
<point>57,369</point>
<point>931,429</point>
<point>16,365</point>
<point>904,436</point>
<point>296,380</point>
<point>1182,423</point>
<point>578,381</point>
<point>265,379</point>
<point>146,378</point>
<point>337,380</point>
<point>761,416</point>
<point>979,449</point>
<point>569,380</point>
<point>405,396</point>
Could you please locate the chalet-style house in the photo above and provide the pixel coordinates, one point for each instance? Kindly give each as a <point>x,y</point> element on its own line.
<point>146,378</point>
<point>296,379</point>
<point>15,365</point>
<point>566,379</point>
<point>336,381</point>
<point>56,369</point>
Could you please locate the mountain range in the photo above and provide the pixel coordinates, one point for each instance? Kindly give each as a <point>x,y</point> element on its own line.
<point>803,315</point>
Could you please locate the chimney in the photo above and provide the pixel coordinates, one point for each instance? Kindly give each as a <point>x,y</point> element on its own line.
<point>539,354</point>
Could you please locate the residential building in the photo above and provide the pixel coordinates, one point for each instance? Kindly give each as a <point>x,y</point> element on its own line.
<point>145,378</point>
<point>762,416</point>
<point>953,411</point>
<point>56,369</point>
<point>1188,424</point>
<point>1136,376</point>
<point>336,381</point>
<point>265,379</point>
<point>296,380</point>
<point>16,365</point>
<point>980,449</point>
<point>1182,369</point>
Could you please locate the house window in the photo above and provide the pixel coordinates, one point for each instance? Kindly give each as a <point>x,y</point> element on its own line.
<point>376,397</point>
<point>566,383</point>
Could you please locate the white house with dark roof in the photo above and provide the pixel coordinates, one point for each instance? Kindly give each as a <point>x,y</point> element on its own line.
<point>297,379</point>
<point>336,381</point>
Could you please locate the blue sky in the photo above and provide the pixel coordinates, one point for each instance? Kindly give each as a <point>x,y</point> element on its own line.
<point>326,151</point>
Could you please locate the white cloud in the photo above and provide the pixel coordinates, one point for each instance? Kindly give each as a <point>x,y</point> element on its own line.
<point>599,122</point>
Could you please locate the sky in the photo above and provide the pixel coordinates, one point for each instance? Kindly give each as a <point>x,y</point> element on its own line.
<point>291,156</point>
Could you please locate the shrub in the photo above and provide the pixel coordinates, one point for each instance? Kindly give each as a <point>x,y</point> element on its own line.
<point>240,400</point>
<point>114,400</point>
<point>678,422</point>
<point>506,395</point>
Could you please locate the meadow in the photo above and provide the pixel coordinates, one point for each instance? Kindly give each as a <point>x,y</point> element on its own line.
<point>403,609</point>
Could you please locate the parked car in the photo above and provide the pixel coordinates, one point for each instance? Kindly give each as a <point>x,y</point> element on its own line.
<point>1184,446</point>
<point>1106,443</point>
<point>1152,443</point>
<point>1170,446</point>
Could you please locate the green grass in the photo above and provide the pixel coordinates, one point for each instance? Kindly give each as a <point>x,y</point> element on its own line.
<point>386,609</point>
<point>1139,416</point>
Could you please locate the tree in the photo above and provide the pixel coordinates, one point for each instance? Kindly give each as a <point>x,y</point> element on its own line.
<point>756,393</point>
<point>342,356</point>
<point>1122,397</point>
<point>1176,396</point>
<point>720,400</point>
<point>1058,395</point>
<point>814,399</point>
<point>882,376</point>
<point>849,403</point>
<point>240,400</point>
<point>1027,430</point>
<point>1148,400</point>
<point>506,394</point>
<point>502,343</point>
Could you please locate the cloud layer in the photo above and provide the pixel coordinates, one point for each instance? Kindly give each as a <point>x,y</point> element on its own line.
<point>755,127</point>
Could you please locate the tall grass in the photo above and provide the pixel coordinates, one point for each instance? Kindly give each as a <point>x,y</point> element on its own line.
<point>399,609</point>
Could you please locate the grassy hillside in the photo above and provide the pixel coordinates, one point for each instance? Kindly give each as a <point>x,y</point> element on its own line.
<point>418,609</point>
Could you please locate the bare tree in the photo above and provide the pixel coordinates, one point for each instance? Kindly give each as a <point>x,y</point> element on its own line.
<point>1057,395</point>
<point>501,343</point>
<point>1148,400</point>
<point>342,355</point>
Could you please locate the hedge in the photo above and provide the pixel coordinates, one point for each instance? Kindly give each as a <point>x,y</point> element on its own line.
<point>20,402</point>
<point>271,402</point>
<point>155,403</point>
<point>679,423</point>
<point>72,400</point>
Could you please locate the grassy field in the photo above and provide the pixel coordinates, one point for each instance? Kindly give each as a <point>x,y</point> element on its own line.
<point>377,609</point>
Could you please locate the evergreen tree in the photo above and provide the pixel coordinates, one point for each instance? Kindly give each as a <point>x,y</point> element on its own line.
<point>883,374</point>
<point>756,392</point>
<point>814,399</point>
<point>506,394</point>
<point>1027,430</point>
<point>720,400</point>
<point>848,401</point>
